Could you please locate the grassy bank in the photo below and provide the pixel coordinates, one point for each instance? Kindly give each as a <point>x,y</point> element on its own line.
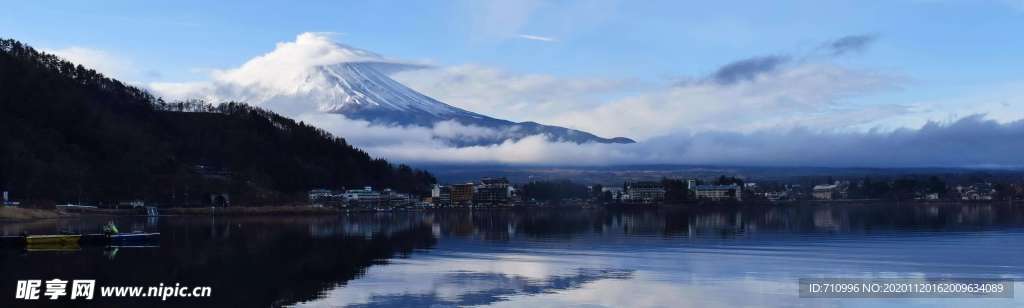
<point>17,213</point>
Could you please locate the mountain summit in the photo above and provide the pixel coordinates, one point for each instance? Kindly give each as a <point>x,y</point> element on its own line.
<point>316,74</point>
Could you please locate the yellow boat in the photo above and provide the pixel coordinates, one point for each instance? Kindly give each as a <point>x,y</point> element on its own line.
<point>70,246</point>
<point>52,239</point>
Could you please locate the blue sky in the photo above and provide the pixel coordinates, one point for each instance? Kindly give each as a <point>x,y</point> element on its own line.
<point>615,68</point>
<point>941,42</point>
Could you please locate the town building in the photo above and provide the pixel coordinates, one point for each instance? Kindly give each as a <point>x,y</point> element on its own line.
<point>774,196</point>
<point>493,191</point>
<point>462,194</point>
<point>977,192</point>
<point>320,195</point>
<point>836,191</point>
<point>643,192</point>
<point>444,196</point>
<point>365,197</point>
<point>392,198</point>
<point>131,204</point>
<point>614,192</point>
<point>718,192</point>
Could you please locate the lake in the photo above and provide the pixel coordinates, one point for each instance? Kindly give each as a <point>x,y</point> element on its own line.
<point>683,257</point>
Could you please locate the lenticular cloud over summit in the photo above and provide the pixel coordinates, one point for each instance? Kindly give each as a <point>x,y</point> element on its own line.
<point>289,78</point>
<point>797,112</point>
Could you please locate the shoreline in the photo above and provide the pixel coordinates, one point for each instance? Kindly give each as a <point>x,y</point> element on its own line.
<point>17,214</point>
<point>10,213</point>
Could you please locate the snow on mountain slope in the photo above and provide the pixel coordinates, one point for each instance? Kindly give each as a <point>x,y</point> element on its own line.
<point>360,85</point>
<point>315,73</point>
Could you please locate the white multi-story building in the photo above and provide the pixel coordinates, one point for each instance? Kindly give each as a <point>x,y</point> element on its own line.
<point>718,192</point>
<point>365,196</point>
<point>776,195</point>
<point>836,191</point>
<point>645,192</point>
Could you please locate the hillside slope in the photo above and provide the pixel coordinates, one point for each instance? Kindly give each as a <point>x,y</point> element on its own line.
<point>70,134</point>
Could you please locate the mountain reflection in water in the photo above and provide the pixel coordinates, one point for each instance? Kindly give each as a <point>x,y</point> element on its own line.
<point>668,257</point>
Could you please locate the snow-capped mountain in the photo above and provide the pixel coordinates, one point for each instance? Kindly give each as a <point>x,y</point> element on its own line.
<point>360,90</point>
<point>315,73</point>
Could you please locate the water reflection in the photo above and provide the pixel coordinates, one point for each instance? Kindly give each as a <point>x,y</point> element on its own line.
<point>462,288</point>
<point>668,257</point>
<point>249,262</point>
<point>729,222</point>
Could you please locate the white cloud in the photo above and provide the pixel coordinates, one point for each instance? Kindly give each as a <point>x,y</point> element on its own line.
<point>99,60</point>
<point>813,94</point>
<point>1000,102</point>
<point>520,97</point>
<point>970,141</point>
<point>291,60</point>
<point>794,113</point>
<point>816,92</point>
<point>280,80</point>
<point>537,38</point>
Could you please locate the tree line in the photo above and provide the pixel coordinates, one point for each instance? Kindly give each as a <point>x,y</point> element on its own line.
<point>71,134</point>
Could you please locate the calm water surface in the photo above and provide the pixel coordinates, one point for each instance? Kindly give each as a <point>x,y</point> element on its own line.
<point>708,257</point>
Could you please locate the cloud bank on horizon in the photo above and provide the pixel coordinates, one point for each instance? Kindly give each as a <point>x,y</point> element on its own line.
<point>777,109</point>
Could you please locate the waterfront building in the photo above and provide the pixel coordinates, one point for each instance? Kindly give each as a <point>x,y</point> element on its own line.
<point>776,195</point>
<point>977,192</point>
<point>365,197</point>
<point>320,195</point>
<point>462,194</point>
<point>836,191</point>
<point>131,204</point>
<point>394,199</point>
<point>613,190</point>
<point>444,196</point>
<point>643,192</point>
<point>718,192</point>
<point>493,191</point>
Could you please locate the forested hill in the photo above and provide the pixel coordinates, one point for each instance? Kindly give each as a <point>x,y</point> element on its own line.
<point>69,134</point>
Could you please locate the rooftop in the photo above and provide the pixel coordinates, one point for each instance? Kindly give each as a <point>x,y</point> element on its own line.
<point>716,187</point>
